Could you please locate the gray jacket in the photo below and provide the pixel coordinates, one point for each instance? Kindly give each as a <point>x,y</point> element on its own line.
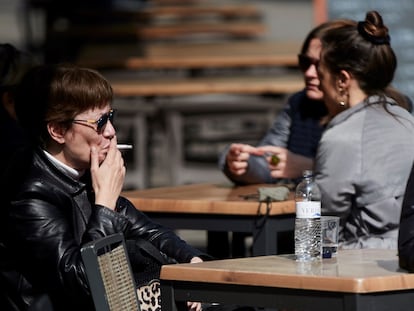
<point>362,167</point>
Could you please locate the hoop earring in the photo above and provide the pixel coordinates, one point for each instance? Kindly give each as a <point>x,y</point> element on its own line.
<point>342,104</point>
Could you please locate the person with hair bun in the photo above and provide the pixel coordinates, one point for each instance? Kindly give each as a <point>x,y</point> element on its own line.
<point>292,140</point>
<point>367,149</point>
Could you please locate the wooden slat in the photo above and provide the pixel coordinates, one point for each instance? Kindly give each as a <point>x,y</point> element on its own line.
<point>190,55</point>
<point>248,84</point>
<point>173,31</point>
<point>153,12</point>
<point>226,11</point>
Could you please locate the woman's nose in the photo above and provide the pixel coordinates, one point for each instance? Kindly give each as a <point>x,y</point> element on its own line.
<point>311,71</point>
<point>109,129</point>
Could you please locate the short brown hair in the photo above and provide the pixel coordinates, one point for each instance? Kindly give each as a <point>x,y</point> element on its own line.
<point>57,93</point>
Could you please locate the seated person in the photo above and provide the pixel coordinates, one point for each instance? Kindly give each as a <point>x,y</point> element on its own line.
<point>293,138</point>
<point>64,190</point>
<point>367,149</point>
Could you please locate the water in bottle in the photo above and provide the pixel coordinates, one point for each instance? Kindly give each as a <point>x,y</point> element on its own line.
<point>308,242</point>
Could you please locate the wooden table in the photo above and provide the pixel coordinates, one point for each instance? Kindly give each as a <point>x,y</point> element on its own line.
<point>366,280</point>
<point>218,208</point>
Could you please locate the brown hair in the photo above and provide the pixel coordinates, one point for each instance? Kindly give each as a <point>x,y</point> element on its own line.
<point>364,51</point>
<point>57,93</point>
<point>319,31</point>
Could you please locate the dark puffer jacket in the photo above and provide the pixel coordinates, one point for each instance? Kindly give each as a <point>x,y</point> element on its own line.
<point>50,217</point>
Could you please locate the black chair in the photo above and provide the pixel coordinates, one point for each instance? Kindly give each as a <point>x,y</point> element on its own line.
<point>109,274</point>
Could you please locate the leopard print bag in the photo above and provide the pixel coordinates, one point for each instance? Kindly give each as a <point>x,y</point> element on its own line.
<point>149,296</point>
<point>146,261</point>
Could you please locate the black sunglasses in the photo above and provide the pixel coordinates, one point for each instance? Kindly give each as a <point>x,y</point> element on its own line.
<point>101,122</point>
<point>305,62</point>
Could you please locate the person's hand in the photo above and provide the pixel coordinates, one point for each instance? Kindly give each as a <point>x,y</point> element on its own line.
<point>287,164</point>
<point>237,157</point>
<point>108,177</point>
<point>194,306</point>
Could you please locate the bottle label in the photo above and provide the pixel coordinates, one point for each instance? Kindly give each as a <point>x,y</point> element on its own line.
<point>308,209</point>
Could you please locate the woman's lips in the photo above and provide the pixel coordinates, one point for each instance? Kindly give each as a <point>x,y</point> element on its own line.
<point>312,87</point>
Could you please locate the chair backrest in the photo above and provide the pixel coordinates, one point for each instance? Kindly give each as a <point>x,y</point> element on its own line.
<point>109,274</point>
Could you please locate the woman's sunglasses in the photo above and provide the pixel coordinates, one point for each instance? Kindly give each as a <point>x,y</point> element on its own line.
<point>101,122</point>
<point>305,62</point>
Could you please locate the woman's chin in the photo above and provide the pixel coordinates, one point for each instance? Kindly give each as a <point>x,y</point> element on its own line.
<point>314,94</point>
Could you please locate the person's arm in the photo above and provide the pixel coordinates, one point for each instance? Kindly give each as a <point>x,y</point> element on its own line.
<point>406,230</point>
<point>45,244</point>
<point>165,239</point>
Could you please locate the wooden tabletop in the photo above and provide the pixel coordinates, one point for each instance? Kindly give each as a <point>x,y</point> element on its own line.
<point>247,84</point>
<point>206,198</point>
<point>353,271</point>
<point>190,55</point>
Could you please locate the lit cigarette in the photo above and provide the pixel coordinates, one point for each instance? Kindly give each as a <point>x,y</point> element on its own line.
<point>124,146</point>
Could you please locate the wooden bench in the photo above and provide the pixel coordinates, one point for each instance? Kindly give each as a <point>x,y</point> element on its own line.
<point>155,12</point>
<point>182,30</point>
<point>227,54</point>
<point>248,84</point>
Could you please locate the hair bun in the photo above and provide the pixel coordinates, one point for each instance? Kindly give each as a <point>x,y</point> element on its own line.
<point>373,29</point>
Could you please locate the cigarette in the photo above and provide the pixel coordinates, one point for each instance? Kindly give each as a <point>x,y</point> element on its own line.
<point>124,146</point>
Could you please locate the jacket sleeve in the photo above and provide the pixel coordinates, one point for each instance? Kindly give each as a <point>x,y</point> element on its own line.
<point>165,239</point>
<point>258,169</point>
<point>406,230</point>
<point>42,239</point>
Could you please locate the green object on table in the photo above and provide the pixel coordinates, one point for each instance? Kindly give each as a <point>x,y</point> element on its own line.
<point>273,193</point>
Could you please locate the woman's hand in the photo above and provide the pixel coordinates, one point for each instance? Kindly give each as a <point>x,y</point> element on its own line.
<point>194,306</point>
<point>107,178</point>
<point>237,157</point>
<point>289,164</point>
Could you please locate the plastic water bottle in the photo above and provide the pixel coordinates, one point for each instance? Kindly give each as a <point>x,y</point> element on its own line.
<point>308,241</point>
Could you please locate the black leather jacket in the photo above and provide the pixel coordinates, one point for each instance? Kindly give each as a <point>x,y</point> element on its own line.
<point>406,229</point>
<point>50,217</point>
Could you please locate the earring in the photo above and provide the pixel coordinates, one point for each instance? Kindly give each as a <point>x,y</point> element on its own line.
<point>343,101</point>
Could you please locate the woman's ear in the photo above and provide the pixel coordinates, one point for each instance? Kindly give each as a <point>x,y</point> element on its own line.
<point>343,80</point>
<point>57,132</point>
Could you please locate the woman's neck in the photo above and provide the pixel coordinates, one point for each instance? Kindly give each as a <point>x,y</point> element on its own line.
<point>356,95</point>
